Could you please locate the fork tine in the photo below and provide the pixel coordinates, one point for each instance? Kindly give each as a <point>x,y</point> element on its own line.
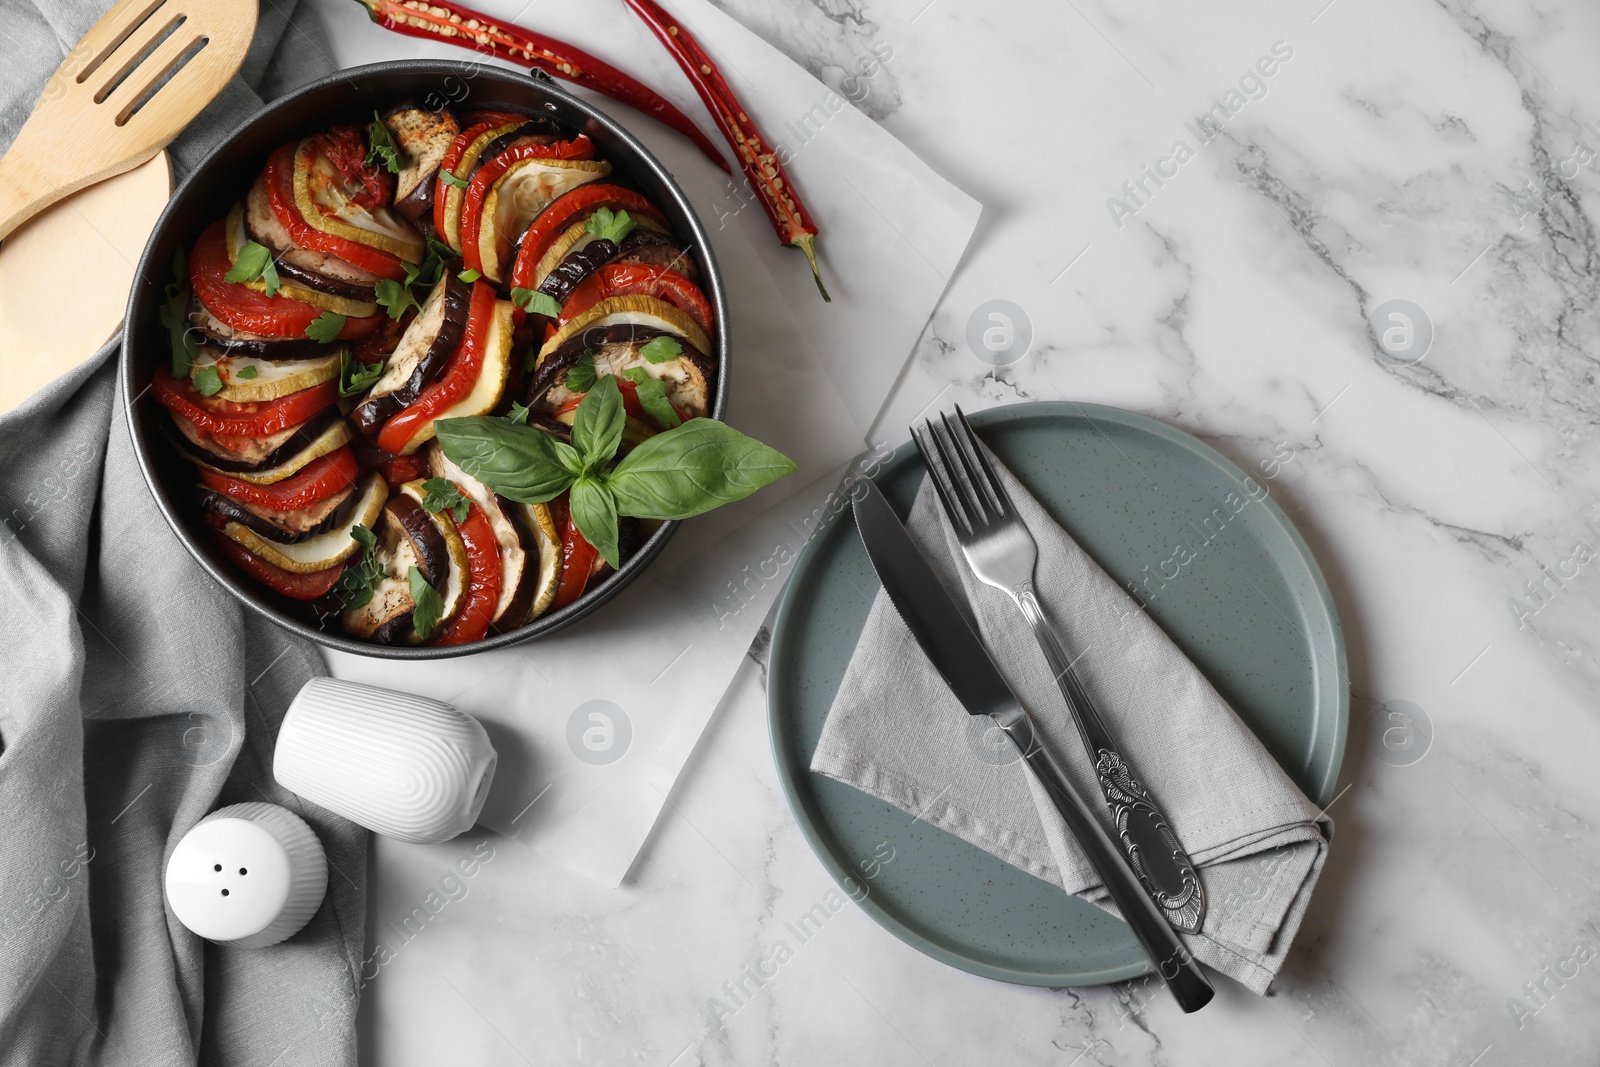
<point>954,506</point>
<point>974,451</point>
<point>961,481</point>
<point>979,491</point>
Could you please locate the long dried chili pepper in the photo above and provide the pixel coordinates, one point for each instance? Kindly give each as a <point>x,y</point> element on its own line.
<point>452,23</point>
<point>789,217</point>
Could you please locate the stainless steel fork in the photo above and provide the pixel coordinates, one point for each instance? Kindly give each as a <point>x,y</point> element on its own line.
<point>1002,553</point>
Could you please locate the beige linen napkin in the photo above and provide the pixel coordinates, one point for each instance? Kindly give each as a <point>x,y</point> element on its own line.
<point>896,732</point>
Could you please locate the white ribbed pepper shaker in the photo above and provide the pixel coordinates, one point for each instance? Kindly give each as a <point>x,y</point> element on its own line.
<point>248,875</point>
<point>403,766</point>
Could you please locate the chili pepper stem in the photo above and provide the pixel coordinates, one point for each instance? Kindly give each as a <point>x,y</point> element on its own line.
<point>807,243</point>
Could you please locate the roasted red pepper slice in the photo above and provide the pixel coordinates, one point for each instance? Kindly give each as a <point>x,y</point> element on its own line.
<point>577,555</point>
<point>318,480</point>
<point>638,279</point>
<point>279,180</point>
<point>452,157</point>
<point>287,583</point>
<point>458,377</point>
<point>256,418</point>
<point>580,147</point>
<point>563,211</point>
<point>471,623</point>
<point>242,307</point>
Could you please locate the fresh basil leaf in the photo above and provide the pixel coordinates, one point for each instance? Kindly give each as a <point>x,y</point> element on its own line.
<point>597,425</point>
<point>360,578</point>
<point>518,415</point>
<point>580,376</point>
<point>254,261</point>
<point>594,513</point>
<point>355,376</point>
<point>469,276</point>
<point>381,149</point>
<point>395,296</point>
<point>429,604</point>
<point>608,225</point>
<point>662,349</point>
<point>207,379</point>
<point>520,462</point>
<point>536,302</point>
<point>449,178</point>
<point>652,394</point>
<point>246,373</point>
<point>441,494</point>
<point>174,315</point>
<point>325,327</point>
<point>691,469</point>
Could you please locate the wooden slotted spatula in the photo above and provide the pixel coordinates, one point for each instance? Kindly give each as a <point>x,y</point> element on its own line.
<point>138,77</point>
<point>93,149</point>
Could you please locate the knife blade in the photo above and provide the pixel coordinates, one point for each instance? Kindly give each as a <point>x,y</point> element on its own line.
<point>957,653</point>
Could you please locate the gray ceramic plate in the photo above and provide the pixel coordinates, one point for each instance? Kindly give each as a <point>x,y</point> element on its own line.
<point>1251,610</point>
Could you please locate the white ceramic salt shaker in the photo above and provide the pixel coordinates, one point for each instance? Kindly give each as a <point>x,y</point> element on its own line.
<point>248,875</point>
<point>404,766</point>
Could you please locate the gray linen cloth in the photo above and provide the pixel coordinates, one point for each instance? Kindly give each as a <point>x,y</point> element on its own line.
<point>895,731</point>
<point>136,698</point>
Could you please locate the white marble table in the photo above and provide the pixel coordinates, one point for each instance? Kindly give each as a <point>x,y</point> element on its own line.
<point>1437,153</point>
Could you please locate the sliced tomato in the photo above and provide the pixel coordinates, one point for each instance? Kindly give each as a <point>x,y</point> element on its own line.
<point>346,148</point>
<point>287,583</point>
<point>244,308</point>
<point>452,156</point>
<point>638,279</point>
<point>257,418</point>
<point>577,555</point>
<point>317,480</point>
<point>471,623</point>
<point>580,147</point>
<point>279,180</point>
<point>554,220</point>
<point>459,376</point>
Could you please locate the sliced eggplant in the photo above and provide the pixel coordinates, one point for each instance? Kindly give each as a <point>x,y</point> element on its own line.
<point>576,254</point>
<point>236,236</point>
<point>325,204</point>
<point>284,527</point>
<point>650,248</point>
<point>432,555</point>
<point>214,333</point>
<point>518,196</point>
<point>406,538</point>
<point>257,453</point>
<point>423,137</point>
<point>647,312</point>
<point>275,378</point>
<point>518,550</point>
<point>531,132</point>
<point>688,377</point>
<point>326,549</point>
<point>314,270</point>
<point>422,355</point>
<point>491,383</point>
<point>337,433</point>
<point>452,585</point>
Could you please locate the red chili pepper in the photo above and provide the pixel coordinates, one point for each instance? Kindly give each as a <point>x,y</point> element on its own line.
<point>244,308</point>
<point>256,418</point>
<point>577,555</point>
<point>580,147</point>
<point>458,378</point>
<point>444,20</point>
<point>638,279</point>
<point>471,623</point>
<point>289,584</point>
<point>760,164</point>
<point>279,180</point>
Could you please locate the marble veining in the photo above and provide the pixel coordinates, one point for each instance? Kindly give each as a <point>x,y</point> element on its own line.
<point>1442,153</point>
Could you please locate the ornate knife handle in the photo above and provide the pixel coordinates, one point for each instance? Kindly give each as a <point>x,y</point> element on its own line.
<point>1152,849</point>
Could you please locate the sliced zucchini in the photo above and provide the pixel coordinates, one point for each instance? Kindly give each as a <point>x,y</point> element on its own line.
<point>646,311</point>
<point>453,589</point>
<point>491,381</point>
<point>335,435</point>
<point>340,305</point>
<point>273,379</point>
<point>518,578</point>
<point>319,195</point>
<point>326,549</point>
<point>518,196</point>
<point>543,526</point>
